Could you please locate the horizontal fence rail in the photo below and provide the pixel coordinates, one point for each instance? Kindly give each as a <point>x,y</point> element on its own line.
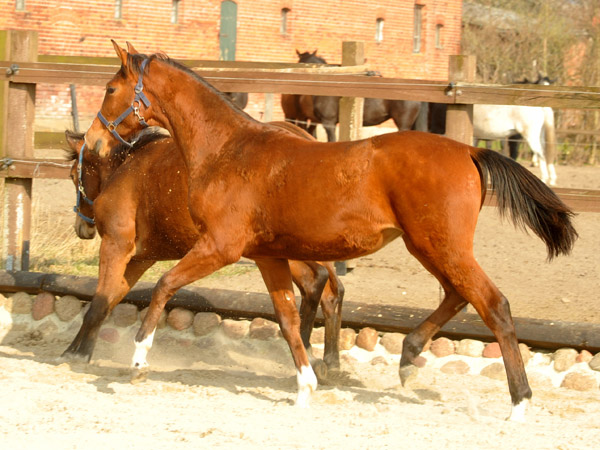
<point>337,84</point>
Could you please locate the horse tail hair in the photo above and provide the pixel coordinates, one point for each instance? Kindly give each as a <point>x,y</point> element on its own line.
<point>549,135</point>
<point>527,201</point>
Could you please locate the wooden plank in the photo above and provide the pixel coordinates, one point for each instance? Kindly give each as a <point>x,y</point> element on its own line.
<point>248,81</point>
<point>553,96</point>
<point>35,168</point>
<point>196,63</point>
<point>386,317</point>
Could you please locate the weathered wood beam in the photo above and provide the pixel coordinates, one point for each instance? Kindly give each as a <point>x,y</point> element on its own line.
<point>383,317</point>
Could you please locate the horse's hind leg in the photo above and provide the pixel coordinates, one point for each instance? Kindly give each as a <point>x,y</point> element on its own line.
<point>331,305</point>
<point>310,278</point>
<point>319,284</point>
<point>463,279</point>
<point>277,277</point>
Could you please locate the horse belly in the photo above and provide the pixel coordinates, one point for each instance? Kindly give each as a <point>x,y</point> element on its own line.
<point>492,122</point>
<point>315,243</point>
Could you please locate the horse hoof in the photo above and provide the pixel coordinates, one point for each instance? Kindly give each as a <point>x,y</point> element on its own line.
<point>73,357</point>
<point>408,374</point>
<point>320,369</point>
<point>139,375</point>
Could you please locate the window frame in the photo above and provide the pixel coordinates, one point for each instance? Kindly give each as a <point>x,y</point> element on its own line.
<point>379,24</point>
<point>418,28</point>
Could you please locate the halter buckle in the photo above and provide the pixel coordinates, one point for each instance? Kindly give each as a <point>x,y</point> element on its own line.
<point>111,126</point>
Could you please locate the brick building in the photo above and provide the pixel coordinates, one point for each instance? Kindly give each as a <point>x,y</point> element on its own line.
<point>406,38</point>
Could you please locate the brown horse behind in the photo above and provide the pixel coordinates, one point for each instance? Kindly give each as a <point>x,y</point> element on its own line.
<point>257,191</point>
<point>148,221</point>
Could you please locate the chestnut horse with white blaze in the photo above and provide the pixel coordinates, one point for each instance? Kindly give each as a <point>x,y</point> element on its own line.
<point>255,191</point>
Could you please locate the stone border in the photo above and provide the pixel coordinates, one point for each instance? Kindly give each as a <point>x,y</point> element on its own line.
<point>42,317</point>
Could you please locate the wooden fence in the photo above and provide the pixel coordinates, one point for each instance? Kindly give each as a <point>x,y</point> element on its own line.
<point>20,73</point>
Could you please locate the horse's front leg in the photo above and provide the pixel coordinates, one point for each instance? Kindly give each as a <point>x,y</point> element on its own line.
<point>117,276</point>
<point>202,260</point>
<point>278,279</point>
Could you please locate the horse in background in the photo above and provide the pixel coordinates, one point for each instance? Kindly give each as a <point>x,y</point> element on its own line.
<point>138,197</point>
<point>493,122</point>
<point>308,110</point>
<point>514,141</point>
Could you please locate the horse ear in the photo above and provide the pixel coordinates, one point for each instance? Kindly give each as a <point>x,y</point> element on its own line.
<point>315,52</point>
<point>74,140</point>
<point>131,49</point>
<point>298,53</point>
<point>121,53</point>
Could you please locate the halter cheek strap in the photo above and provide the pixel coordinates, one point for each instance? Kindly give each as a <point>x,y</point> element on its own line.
<point>81,191</point>
<point>140,97</point>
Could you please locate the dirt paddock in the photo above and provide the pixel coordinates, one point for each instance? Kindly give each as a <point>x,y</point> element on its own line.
<point>240,394</point>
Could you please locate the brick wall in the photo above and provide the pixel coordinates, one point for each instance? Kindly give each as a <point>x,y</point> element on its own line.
<point>84,27</point>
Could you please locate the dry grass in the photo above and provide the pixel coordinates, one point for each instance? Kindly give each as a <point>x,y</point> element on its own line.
<point>55,248</point>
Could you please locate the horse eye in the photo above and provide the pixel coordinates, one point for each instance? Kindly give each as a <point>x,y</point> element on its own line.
<point>110,90</point>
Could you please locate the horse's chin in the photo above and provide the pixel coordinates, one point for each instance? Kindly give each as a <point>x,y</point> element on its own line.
<point>84,230</point>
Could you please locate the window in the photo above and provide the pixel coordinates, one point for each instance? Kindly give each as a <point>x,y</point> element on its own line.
<point>283,26</point>
<point>417,28</point>
<point>175,11</point>
<point>20,5</point>
<point>438,35</point>
<point>118,9</point>
<point>379,30</point>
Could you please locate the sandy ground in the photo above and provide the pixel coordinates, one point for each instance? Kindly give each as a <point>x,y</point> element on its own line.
<point>239,394</point>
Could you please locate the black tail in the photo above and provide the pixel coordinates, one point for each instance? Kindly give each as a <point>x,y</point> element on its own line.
<point>528,201</point>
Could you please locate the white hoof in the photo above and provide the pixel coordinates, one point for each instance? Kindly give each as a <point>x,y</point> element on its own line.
<point>141,352</point>
<point>307,384</point>
<point>517,413</point>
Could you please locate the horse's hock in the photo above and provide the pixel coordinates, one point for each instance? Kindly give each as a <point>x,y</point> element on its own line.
<point>45,319</point>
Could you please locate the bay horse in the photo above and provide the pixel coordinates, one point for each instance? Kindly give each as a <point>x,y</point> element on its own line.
<point>269,195</point>
<point>148,221</point>
<point>308,110</point>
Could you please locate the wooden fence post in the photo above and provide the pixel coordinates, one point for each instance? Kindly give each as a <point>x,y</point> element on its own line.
<point>351,113</point>
<point>18,133</point>
<point>351,108</point>
<point>459,120</point>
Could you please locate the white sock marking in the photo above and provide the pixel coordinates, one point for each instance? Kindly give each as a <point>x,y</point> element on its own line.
<point>307,384</point>
<point>518,411</point>
<point>141,351</point>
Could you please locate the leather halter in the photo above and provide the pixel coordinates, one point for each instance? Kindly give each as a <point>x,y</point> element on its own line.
<point>81,191</point>
<point>134,107</point>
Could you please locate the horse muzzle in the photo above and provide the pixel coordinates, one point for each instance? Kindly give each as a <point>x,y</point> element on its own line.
<point>83,229</point>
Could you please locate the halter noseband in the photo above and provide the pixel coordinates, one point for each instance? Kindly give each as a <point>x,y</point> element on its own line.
<point>135,108</point>
<point>81,191</point>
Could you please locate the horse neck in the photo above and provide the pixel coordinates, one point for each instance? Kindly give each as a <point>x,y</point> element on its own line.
<point>196,115</point>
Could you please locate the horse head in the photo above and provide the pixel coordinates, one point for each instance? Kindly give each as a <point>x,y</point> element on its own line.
<point>85,175</point>
<point>308,57</point>
<point>126,107</point>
